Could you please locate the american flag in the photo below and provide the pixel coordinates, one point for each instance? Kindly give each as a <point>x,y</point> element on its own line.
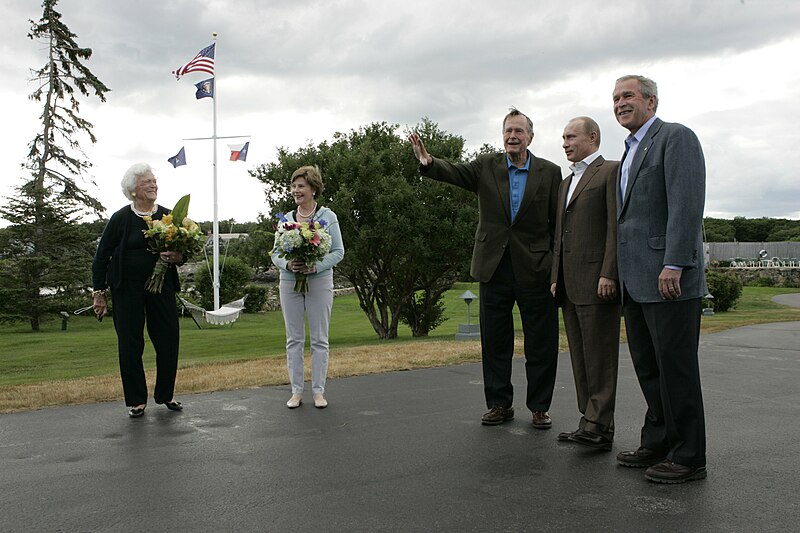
<point>202,62</point>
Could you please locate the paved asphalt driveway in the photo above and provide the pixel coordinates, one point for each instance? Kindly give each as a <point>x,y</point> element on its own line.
<point>405,451</point>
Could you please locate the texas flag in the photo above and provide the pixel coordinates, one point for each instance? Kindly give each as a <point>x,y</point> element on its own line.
<point>239,151</point>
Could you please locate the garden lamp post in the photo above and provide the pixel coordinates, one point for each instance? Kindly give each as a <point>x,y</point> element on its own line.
<point>468,331</point>
<point>709,311</point>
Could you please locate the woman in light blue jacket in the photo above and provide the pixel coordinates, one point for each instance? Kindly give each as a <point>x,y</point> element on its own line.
<point>306,184</point>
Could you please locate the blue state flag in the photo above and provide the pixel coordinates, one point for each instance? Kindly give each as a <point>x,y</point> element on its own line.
<point>205,89</point>
<point>178,159</point>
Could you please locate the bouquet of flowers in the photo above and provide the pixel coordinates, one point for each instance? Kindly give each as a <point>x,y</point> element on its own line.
<point>301,241</point>
<point>175,232</point>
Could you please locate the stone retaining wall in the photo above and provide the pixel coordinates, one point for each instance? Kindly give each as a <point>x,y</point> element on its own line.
<point>781,277</point>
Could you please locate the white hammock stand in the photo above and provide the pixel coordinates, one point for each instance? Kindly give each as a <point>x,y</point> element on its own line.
<point>227,314</point>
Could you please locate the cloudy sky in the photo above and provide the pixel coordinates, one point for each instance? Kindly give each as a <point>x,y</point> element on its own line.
<point>291,72</point>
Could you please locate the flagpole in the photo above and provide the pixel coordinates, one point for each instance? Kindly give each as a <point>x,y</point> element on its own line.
<point>215,227</point>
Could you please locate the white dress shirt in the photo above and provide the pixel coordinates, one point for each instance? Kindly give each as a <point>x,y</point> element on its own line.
<point>578,169</point>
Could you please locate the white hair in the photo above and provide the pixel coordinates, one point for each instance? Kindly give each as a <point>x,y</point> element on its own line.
<point>128,182</point>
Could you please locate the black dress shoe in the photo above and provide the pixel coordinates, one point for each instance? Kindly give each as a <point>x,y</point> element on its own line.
<point>174,406</point>
<point>669,472</point>
<point>136,412</point>
<point>497,415</point>
<point>641,458</point>
<point>592,440</point>
<point>565,435</point>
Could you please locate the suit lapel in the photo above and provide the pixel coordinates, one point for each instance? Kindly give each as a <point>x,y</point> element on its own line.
<point>503,184</point>
<point>588,174</point>
<point>638,159</point>
<point>532,185</point>
<point>564,190</point>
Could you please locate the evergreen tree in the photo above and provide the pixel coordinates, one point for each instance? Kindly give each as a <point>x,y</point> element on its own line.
<point>47,254</point>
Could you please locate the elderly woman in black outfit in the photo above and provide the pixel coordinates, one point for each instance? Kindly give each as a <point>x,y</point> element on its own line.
<point>121,266</point>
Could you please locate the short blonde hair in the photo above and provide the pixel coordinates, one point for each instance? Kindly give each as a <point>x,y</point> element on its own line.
<point>312,175</point>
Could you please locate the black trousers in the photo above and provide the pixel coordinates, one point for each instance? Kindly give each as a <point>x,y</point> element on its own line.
<point>540,329</point>
<point>133,308</point>
<point>663,338</point>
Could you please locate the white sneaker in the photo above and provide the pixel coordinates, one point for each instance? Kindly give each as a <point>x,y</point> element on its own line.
<point>295,401</point>
<point>320,402</point>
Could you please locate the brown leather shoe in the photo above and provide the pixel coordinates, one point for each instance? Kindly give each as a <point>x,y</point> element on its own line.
<point>497,415</point>
<point>593,440</point>
<point>640,458</point>
<point>542,420</point>
<point>669,472</point>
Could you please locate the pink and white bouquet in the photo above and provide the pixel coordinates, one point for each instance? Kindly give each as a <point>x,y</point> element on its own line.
<point>308,242</point>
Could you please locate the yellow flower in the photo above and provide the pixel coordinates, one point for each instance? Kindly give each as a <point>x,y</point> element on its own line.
<point>167,219</point>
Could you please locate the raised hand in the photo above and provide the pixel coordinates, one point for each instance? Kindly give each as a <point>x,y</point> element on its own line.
<point>419,150</point>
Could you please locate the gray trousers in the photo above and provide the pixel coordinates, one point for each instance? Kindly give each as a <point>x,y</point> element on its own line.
<point>316,304</point>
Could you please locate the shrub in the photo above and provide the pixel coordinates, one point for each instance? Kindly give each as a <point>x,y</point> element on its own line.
<point>233,279</point>
<point>256,298</point>
<point>762,281</point>
<point>725,289</point>
<point>423,313</point>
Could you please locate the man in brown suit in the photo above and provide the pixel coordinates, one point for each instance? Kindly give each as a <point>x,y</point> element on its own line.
<point>584,280</point>
<point>517,194</point>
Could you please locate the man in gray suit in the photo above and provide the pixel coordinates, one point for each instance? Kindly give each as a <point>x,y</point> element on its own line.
<point>584,280</point>
<point>660,258</point>
<point>511,258</point>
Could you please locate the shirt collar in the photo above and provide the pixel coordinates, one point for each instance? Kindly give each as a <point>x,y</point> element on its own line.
<point>641,132</point>
<point>584,163</point>
<point>526,166</point>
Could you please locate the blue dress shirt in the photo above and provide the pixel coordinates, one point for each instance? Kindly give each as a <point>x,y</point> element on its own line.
<point>517,179</point>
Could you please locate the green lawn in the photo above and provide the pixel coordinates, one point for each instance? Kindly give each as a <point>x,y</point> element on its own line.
<point>88,348</point>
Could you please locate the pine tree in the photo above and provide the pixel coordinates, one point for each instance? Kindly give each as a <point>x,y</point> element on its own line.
<point>45,259</point>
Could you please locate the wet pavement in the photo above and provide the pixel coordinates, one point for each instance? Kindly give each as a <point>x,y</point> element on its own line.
<point>405,451</point>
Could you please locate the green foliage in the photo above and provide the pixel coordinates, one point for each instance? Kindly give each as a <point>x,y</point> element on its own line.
<point>45,265</point>
<point>762,281</point>
<point>725,288</point>
<point>55,144</point>
<point>180,210</point>
<point>719,230</point>
<point>256,298</point>
<point>46,254</point>
<point>422,313</point>
<point>402,233</point>
<point>255,248</point>
<point>743,229</point>
<point>227,226</point>
<point>233,278</point>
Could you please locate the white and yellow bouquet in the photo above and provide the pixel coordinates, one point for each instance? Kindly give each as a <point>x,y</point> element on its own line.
<point>308,242</point>
<point>175,232</point>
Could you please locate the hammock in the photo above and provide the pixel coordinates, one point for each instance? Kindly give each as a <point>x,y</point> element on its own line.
<point>227,314</point>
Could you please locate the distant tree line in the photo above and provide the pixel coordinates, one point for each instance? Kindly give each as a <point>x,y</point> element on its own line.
<point>741,229</point>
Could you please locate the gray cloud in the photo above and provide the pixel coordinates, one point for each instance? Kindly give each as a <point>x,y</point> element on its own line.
<point>292,72</point>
